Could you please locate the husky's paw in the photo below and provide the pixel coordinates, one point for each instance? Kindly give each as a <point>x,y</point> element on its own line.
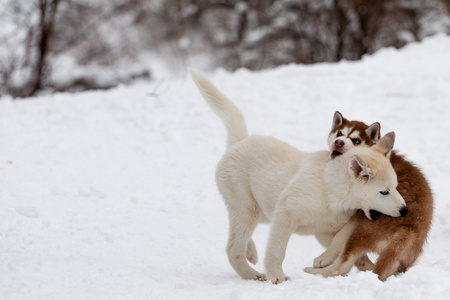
<point>312,270</point>
<point>323,261</point>
<point>364,264</point>
<point>318,271</point>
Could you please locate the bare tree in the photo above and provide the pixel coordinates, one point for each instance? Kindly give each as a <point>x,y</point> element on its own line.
<point>25,64</point>
<point>47,16</point>
<point>99,41</point>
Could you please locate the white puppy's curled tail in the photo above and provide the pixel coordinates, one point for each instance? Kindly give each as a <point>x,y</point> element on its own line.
<point>231,116</point>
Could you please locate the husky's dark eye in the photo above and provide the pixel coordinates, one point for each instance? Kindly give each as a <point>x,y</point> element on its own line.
<point>356,141</point>
<point>339,133</point>
<point>384,193</point>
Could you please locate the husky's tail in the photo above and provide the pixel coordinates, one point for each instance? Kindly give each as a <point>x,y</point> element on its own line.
<point>231,116</point>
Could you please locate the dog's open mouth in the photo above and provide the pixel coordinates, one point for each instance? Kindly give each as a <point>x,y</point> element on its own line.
<point>335,153</point>
<point>374,214</point>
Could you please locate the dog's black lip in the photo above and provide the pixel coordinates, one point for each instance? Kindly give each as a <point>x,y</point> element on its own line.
<point>374,214</point>
<point>337,153</point>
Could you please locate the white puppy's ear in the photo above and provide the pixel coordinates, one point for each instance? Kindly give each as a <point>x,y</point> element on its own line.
<point>338,120</point>
<point>374,131</point>
<point>358,168</point>
<point>385,145</point>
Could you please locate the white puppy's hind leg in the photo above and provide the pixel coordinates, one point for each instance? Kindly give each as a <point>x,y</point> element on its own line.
<point>252,254</point>
<point>242,224</point>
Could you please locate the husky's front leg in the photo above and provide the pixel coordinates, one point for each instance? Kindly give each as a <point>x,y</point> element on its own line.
<point>341,266</point>
<point>280,232</point>
<point>336,246</point>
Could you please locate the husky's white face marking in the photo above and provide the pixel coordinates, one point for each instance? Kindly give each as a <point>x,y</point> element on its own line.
<point>343,140</point>
<point>355,136</point>
<point>346,134</point>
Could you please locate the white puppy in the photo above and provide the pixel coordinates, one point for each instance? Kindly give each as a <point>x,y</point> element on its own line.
<point>262,179</point>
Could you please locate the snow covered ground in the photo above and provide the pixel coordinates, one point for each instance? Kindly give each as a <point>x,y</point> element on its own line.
<point>111,195</point>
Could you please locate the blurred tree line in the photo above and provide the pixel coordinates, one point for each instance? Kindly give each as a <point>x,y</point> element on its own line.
<point>70,45</point>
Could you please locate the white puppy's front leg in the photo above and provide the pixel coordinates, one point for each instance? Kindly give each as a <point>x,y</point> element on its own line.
<point>336,246</point>
<point>280,232</point>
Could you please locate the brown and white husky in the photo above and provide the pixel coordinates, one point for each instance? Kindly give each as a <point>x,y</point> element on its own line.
<point>398,241</point>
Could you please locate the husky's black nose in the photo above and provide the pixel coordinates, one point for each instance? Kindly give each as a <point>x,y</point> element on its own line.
<point>403,211</point>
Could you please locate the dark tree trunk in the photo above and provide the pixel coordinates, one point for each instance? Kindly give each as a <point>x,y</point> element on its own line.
<point>46,21</point>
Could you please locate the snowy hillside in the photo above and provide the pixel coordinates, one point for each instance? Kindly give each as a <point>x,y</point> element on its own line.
<point>111,195</point>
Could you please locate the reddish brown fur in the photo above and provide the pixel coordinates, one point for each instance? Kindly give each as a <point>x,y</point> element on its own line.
<point>404,236</point>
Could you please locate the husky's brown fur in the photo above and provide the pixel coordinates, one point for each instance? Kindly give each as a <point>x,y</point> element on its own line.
<point>398,241</point>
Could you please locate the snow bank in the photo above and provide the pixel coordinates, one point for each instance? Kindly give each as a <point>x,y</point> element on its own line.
<point>111,195</point>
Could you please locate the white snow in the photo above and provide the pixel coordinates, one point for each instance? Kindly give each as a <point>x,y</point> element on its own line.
<point>111,194</point>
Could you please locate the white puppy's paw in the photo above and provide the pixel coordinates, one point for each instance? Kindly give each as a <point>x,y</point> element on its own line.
<point>254,276</point>
<point>323,261</point>
<point>261,277</point>
<point>276,279</point>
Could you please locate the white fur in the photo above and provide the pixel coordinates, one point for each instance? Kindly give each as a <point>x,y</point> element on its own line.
<point>355,134</point>
<point>262,179</point>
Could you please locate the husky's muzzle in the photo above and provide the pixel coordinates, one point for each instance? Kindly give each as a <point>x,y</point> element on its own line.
<point>337,148</point>
<point>335,154</point>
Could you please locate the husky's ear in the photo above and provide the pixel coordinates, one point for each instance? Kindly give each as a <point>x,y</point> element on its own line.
<point>385,145</point>
<point>374,131</point>
<point>338,120</point>
<point>358,168</point>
